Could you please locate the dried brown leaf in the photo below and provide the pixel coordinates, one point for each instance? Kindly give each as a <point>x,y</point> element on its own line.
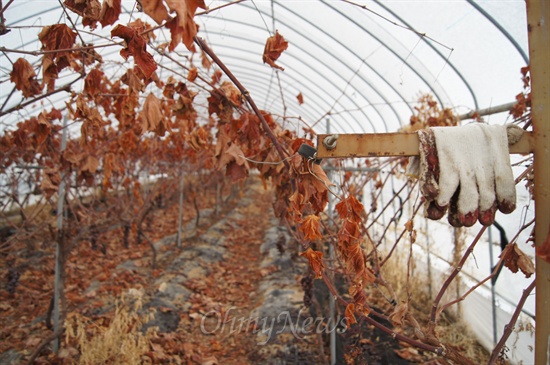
<point>155,9</point>
<point>151,116</point>
<point>350,315</point>
<point>89,10</point>
<point>515,259</point>
<point>24,78</point>
<point>182,27</point>
<point>231,93</point>
<point>315,259</point>
<point>90,164</point>
<point>110,11</point>
<point>192,75</point>
<point>274,47</point>
<point>398,315</point>
<point>300,98</point>
<point>310,227</point>
<point>135,46</point>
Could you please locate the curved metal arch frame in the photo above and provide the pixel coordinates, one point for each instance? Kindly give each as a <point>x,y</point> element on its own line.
<point>501,29</point>
<point>363,61</point>
<point>359,107</point>
<point>370,103</point>
<point>396,54</point>
<point>379,93</point>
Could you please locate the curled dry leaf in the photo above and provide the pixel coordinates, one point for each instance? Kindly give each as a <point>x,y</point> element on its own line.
<point>398,315</point>
<point>321,175</point>
<point>24,78</point>
<point>182,26</point>
<point>412,236</point>
<point>310,227</point>
<point>155,9</point>
<point>216,76</point>
<point>274,47</point>
<point>315,259</point>
<point>300,98</point>
<point>89,10</point>
<point>90,164</point>
<point>192,75</point>
<point>151,115</point>
<point>409,225</point>
<point>50,182</point>
<point>59,38</point>
<point>231,93</point>
<point>186,27</point>
<point>135,46</point>
<point>110,165</point>
<point>350,208</point>
<point>110,11</point>
<point>350,315</point>
<point>236,172</point>
<point>515,259</point>
<point>232,153</point>
<point>94,83</point>
<point>205,61</point>
<point>198,139</point>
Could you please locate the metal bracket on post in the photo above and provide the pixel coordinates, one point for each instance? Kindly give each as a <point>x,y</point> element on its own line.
<point>388,144</point>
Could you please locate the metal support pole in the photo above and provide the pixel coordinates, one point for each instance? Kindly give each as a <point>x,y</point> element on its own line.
<point>57,280</point>
<point>180,215</point>
<point>493,292</point>
<point>331,254</point>
<point>488,111</point>
<point>538,25</point>
<point>429,260</point>
<point>383,216</point>
<point>218,195</point>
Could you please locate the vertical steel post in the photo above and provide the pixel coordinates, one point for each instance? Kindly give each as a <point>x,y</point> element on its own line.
<point>180,215</point>
<point>331,254</point>
<point>218,195</point>
<point>493,291</point>
<point>57,280</point>
<point>538,26</point>
<point>429,260</point>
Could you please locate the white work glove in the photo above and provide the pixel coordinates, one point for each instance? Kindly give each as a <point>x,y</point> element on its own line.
<point>467,169</point>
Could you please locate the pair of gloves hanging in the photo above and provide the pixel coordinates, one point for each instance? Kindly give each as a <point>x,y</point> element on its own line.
<point>466,170</point>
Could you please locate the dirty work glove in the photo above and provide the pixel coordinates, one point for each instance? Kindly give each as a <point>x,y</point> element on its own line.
<point>467,170</point>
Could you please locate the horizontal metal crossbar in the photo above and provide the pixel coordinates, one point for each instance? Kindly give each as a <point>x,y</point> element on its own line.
<point>389,144</point>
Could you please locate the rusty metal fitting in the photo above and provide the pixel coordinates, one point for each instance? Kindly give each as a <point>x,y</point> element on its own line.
<point>330,141</point>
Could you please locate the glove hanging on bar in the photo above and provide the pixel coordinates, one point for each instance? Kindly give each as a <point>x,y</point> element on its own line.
<point>466,170</point>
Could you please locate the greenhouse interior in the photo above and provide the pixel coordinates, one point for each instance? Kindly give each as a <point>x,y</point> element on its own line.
<point>274,182</point>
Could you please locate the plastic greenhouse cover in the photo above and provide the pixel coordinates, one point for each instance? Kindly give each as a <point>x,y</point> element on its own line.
<point>362,65</point>
<point>363,68</point>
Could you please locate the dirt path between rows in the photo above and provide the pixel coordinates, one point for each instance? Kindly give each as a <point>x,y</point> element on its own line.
<point>237,288</point>
<point>230,295</point>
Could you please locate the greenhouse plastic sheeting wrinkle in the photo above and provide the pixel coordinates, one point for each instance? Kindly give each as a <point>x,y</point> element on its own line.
<point>361,64</point>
